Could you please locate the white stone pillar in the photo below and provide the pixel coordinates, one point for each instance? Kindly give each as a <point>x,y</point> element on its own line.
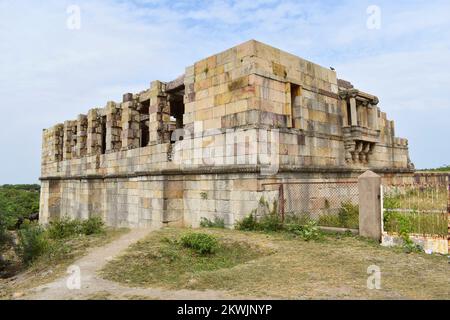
<point>375,125</point>
<point>354,113</point>
<point>370,216</point>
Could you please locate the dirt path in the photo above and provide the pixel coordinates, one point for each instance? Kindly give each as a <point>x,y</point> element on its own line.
<point>94,287</point>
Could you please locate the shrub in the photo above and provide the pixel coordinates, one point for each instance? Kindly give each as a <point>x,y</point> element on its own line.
<point>270,222</point>
<point>405,227</point>
<point>391,202</point>
<point>294,228</point>
<point>248,223</point>
<point>17,201</point>
<point>298,219</point>
<point>32,242</point>
<point>64,228</point>
<point>348,215</point>
<point>4,237</point>
<point>5,241</point>
<point>93,225</point>
<point>310,231</point>
<point>216,223</point>
<point>201,243</point>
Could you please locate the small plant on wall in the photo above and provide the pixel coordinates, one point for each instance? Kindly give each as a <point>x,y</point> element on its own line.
<point>204,195</point>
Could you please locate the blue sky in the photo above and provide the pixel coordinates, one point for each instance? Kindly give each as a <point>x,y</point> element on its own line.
<point>49,73</point>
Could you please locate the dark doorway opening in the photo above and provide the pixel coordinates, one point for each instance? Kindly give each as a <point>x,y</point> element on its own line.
<point>349,114</point>
<point>295,92</point>
<point>103,123</point>
<point>143,123</point>
<point>176,102</point>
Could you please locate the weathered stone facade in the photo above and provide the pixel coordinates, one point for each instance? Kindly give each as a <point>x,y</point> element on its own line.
<point>205,143</point>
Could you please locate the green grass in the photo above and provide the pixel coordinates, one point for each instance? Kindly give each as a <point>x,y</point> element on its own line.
<point>162,260</point>
<point>418,223</point>
<point>347,217</point>
<point>278,265</point>
<point>426,211</point>
<point>37,245</point>
<point>52,264</point>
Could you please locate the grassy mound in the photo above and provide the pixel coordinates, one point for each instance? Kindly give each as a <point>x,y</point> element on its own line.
<point>165,259</point>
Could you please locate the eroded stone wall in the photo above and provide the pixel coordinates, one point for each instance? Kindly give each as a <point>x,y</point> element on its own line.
<point>250,114</point>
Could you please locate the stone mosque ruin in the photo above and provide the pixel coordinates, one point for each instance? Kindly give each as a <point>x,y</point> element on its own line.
<point>203,144</point>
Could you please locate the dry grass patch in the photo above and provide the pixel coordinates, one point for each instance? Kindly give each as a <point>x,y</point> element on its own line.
<point>162,260</point>
<point>279,265</point>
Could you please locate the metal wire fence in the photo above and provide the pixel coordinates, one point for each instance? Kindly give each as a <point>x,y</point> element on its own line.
<point>417,208</point>
<point>329,204</point>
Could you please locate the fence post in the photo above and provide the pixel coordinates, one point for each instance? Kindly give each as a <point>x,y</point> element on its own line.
<point>448,215</point>
<point>370,223</point>
<point>281,201</point>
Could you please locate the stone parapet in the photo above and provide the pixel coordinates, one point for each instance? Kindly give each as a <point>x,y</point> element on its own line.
<point>251,106</point>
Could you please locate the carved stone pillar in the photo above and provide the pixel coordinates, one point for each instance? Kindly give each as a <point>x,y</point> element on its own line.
<point>130,125</point>
<point>358,152</point>
<point>344,113</point>
<point>364,114</point>
<point>365,152</point>
<point>349,151</point>
<point>69,141</point>
<point>113,127</point>
<point>159,114</point>
<point>52,144</point>
<point>94,133</point>
<point>81,147</point>
<point>354,113</point>
<point>374,117</point>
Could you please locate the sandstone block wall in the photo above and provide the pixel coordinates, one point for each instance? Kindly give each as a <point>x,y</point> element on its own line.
<point>203,144</point>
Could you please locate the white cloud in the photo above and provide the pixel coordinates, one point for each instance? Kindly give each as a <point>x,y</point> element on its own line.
<point>50,74</point>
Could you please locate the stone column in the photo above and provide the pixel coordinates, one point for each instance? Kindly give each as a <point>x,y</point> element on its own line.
<point>374,117</point>
<point>113,127</point>
<point>130,126</point>
<point>58,142</point>
<point>365,114</point>
<point>354,113</point>
<point>370,214</point>
<point>344,113</point>
<point>94,133</point>
<point>159,113</point>
<point>52,148</point>
<point>69,139</point>
<point>81,147</point>
<point>376,122</point>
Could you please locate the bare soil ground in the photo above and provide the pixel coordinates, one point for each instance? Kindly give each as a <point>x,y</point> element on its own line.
<point>94,287</point>
<point>281,267</point>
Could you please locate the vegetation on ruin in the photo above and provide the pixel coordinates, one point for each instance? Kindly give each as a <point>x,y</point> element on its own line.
<point>65,228</point>
<point>306,230</point>
<point>18,201</point>
<point>37,248</point>
<point>413,220</point>
<point>278,265</point>
<point>301,225</point>
<point>217,222</point>
<point>347,217</point>
<point>201,243</point>
<point>36,241</point>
